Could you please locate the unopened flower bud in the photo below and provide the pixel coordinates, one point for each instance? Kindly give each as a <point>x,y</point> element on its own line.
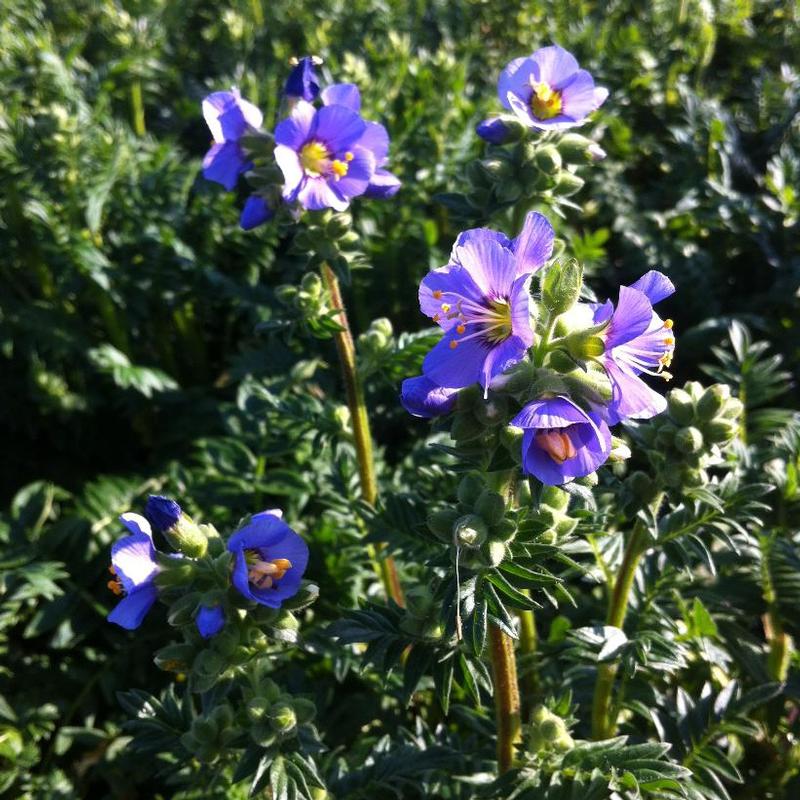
<point>282,718</point>
<point>681,406</point>
<point>554,497</point>
<point>568,184</point>
<point>469,488</point>
<point>582,346</point>
<point>619,450</point>
<point>441,522</point>
<point>499,130</point>
<point>419,601</point>
<point>713,400</point>
<point>721,431</point>
<point>548,159</point>
<point>491,507</point>
<point>595,153</point>
<point>258,708</point>
<point>561,287</point>
<point>689,440</point>
<point>732,409</point>
<point>641,487</point>
<point>165,515</point>
<point>573,147</point>
<point>470,531</point>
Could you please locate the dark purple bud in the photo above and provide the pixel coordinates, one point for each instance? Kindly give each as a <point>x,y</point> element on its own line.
<point>422,397</point>
<point>498,130</point>
<point>210,621</point>
<point>302,82</point>
<point>255,213</point>
<point>162,512</point>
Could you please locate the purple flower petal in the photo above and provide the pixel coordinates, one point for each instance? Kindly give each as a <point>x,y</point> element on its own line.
<point>555,412</point>
<point>263,530</point>
<point>228,115</point>
<point>421,397</point>
<point>555,66</point>
<point>450,283</point>
<point>516,79</point>
<point>578,97</point>
<point>256,211</point>
<point>210,620</point>
<point>534,245</point>
<point>631,397</point>
<point>655,285</point>
<point>494,131</point>
<point>376,139</point>
<point>455,367</point>
<point>492,266</point>
<point>631,318</point>
<point>338,127</point>
<point>289,162</point>
<point>383,185</point>
<point>136,523</point>
<point>520,303</point>
<point>316,194</point>
<point>342,94</point>
<point>359,173</point>
<point>297,128</point>
<point>224,163</point>
<point>133,558</point>
<point>302,81</point>
<point>501,358</point>
<point>131,610</point>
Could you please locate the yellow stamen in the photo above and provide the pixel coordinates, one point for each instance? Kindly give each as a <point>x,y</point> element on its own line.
<point>339,168</point>
<point>669,340</point>
<point>314,158</point>
<point>668,323</point>
<point>446,307</point>
<point>348,156</point>
<point>453,344</point>
<point>545,102</point>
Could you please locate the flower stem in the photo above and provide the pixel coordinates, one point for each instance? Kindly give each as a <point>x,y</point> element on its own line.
<point>137,107</point>
<point>604,721</point>
<point>362,437</point>
<point>528,644</point>
<point>506,696</point>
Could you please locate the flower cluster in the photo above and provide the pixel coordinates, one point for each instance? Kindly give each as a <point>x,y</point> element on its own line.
<point>326,155</point>
<point>266,561</point>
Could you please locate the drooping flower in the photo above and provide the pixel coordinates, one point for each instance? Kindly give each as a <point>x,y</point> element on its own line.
<point>330,155</point>
<point>637,341</point>
<point>549,90</point>
<point>302,82</point>
<point>561,441</point>
<point>497,130</point>
<point>167,517</point>
<point>210,620</point>
<point>422,397</point>
<point>229,116</point>
<point>134,568</point>
<point>269,559</point>
<point>481,300</point>
<point>256,212</point>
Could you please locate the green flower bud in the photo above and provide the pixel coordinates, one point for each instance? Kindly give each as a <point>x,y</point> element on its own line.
<point>565,526</point>
<point>495,551</point>
<point>174,657</point>
<point>311,283</point>
<point>619,451</point>
<point>469,489</point>
<point>204,731</point>
<point>338,225</point>
<point>691,476</point>
<point>491,507</point>
<point>713,401</point>
<point>721,431</point>
<point>552,728</point>
<point>465,427</point>
<point>182,611</point>
<point>508,192</point>
<point>680,406</point>
<point>641,487</point>
<point>548,159</point>
<point>490,412</point>
<point>511,438</point>
<point>468,398</point>
<point>689,440</point>
<point>470,531</point>
<point>257,709</point>
<point>441,522</point>
<point>283,719</point>
<point>561,287</point>
<point>477,176</point>
<point>583,348</point>
<point>666,435</point>
<point>173,572</point>
<point>568,184</point>
<point>505,531</point>
<point>304,709</point>
<point>497,169</point>
<point>419,601</point>
<point>590,481</point>
<point>554,497</point>
<point>306,595</point>
<point>733,409</point>
<point>573,148</point>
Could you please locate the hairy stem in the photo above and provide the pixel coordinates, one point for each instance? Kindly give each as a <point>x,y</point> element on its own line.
<point>137,108</point>
<point>604,721</point>
<point>506,696</point>
<point>528,644</point>
<point>362,437</point>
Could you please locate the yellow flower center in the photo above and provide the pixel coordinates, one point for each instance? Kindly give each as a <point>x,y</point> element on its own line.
<point>500,321</point>
<point>557,444</point>
<point>315,159</point>
<point>545,101</point>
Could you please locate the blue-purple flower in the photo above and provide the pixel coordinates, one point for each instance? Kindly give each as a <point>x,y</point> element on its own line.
<point>134,568</point>
<point>269,559</point>
<point>561,441</point>
<point>210,620</point>
<point>302,82</point>
<point>637,342</point>
<point>422,397</point>
<point>229,117</point>
<point>549,90</point>
<point>482,302</point>
<point>330,155</point>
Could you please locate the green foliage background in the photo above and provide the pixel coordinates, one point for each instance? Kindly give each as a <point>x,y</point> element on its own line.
<point>143,345</point>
